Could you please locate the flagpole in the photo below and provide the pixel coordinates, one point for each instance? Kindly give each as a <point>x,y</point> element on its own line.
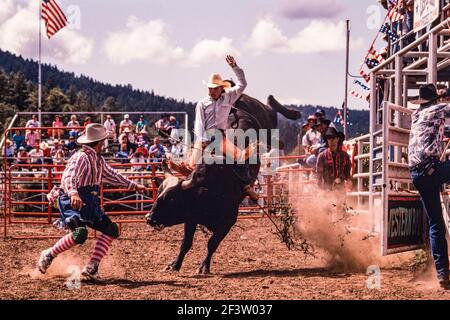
<point>39,66</point>
<point>346,77</point>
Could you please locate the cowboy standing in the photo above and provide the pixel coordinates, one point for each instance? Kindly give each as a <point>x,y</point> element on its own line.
<point>428,173</point>
<point>79,203</point>
<point>211,115</point>
<point>333,164</point>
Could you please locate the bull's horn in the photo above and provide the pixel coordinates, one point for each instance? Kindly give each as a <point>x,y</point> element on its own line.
<point>167,172</point>
<point>186,185</point>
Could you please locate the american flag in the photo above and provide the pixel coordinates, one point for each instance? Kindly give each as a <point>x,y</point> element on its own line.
<point>377,56</point>
<point>53,16</point>
<point>372,63</point>
<point>362,85</point>
<point>364,75</point>
<point>338,118</point>
<point>395,16</point>
<point>385,29</point>
<point>357,94</point>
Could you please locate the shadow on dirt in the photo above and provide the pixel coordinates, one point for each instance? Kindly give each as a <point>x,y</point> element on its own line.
<point>304,272</point>
<point>131,284</point>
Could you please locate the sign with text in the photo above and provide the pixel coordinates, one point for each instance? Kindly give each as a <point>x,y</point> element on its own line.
<point>405,229</point>
<point>425,12</point>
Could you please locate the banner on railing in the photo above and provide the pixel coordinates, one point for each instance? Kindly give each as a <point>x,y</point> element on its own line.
<point>404,228</point>
<point>425,12</point>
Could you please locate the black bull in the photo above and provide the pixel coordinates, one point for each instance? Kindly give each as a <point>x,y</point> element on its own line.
<point>211,196</point>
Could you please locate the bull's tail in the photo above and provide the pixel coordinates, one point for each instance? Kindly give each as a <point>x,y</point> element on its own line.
<point>288,113</point>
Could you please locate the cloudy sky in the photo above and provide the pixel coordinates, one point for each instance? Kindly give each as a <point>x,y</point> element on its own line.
<point>294,49</point>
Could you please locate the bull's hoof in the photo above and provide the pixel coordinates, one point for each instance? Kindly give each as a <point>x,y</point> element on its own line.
<point>203,270</point>
<point>172,267</point>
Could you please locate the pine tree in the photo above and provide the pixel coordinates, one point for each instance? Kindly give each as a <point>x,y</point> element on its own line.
<point>56,101</point>
<point>18,91</point>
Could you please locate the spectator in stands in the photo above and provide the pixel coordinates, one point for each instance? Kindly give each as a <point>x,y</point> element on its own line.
<point>73,123</point>
<point>71,146</point>
<point>129,135</point>
<point>142,150</point>
<point>18,139</point>
<point>320,114</point>
<point>58,158</point>
<point>142,124</point>
<point>55,147</point>
<point>33,123</point>
<point>178,148</point>
<point>9,151</point>
<point>162,125</point>
<point>22,157</point>
<point>31,139</point>
<point>110,127</point>
<point>125,150</point>
<point>406,7</point>
<point>138,161</point>
<point>302,140</point>
<point>311,137</point>
<point>36,155</point>
<point>126,123</point>
<point>87,121</point>
<point>156,150</point>
<point>167,145</point>
<point>46,151</point>
<point>57,124</point>
<point>142,138</point>
<point>173,124</point>
<point>321,145</point>
<point>333,164</point>
<point>305,128</point>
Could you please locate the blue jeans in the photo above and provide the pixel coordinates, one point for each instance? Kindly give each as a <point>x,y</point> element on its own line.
<point>429,187</point>
<point>311,161</point>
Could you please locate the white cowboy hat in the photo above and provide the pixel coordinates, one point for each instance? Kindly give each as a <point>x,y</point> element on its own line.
<point>215,80</point>
<point>43,145</point>
<point>94,132</point>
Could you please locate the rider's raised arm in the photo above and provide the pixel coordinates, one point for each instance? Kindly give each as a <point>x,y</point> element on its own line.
<point>234,93</point>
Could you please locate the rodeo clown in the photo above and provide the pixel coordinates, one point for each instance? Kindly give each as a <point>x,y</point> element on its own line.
<point>79,204</point>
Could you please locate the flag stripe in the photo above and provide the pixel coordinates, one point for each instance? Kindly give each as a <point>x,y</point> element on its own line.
<point>364,75</point>
<point>395,16</point>
<point>58,13</point>
<point>54,17</point>
<point>375,53</point>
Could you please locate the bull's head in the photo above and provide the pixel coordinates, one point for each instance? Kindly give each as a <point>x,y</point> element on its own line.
<point>172,204</point>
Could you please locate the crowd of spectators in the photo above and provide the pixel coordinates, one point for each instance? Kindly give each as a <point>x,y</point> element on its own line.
<point>131,142</point>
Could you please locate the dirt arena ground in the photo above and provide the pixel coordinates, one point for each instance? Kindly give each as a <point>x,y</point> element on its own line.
<point>251,263</point>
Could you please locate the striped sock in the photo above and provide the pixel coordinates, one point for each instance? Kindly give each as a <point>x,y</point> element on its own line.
<point>101,248</point>
<point>63,244</point>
